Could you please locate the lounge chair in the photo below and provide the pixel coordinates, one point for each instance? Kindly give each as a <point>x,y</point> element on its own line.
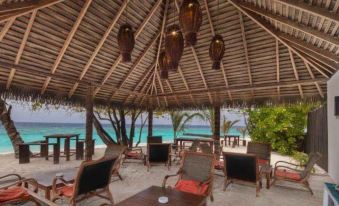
<point>195,174</point>
<point>262,150</point>
<point>241,167</point>
<point>158,153</point>
<point>92,179</point>
<point>134,153</point>
<point>12,190</point>
<point>287,171</point>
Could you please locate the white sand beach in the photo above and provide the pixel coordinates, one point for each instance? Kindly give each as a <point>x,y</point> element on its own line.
<point>136,178</point>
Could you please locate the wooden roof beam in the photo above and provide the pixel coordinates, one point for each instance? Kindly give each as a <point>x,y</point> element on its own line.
<point>137,33</point>
<point>290,23</point>
<point>296,73</point>
<point>321,93</point>
<point>213,34</point>
<point>254,17</point>
<point>22,47</point>
<point>4,16</point>
<point>318,11</point>
<point>186,85</point>
<point>17,5</point>
<point>277,60</point>
<point>247,88</point>
<point>100,44</point>
<point>67,43</point>
<point>6,27</point>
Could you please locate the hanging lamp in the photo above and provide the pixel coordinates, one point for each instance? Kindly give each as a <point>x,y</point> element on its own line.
<point>216,51</point>
<point>174,46</point>
<point>190,18</point>
<point>164,65</point>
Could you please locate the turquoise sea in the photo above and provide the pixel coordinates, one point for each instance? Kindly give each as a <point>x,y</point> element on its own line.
<point>36,131</point>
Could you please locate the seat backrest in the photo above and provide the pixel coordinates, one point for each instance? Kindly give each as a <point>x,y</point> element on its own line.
<point>93,175</point>
<point>241,166</point>
<point>154,139</point>
<point>313,158</point>
<point>158,152</point>
<point>197,166</point>
<point>262,150</point>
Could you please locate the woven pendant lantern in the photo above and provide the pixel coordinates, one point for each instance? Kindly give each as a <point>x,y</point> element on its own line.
<point>217,50</point>
<point>174,46</point>
<point>126,42</point>
<point>190,18</point>
<point>164,65</point>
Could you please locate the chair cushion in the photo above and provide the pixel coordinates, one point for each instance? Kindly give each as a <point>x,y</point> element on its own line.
<point>66,191</point>
<point>13,193</point>
<point>133,154</point>
<point>192,187</point>
<point>263,162</point>
<point>219,165</point>
<point>287,174</point>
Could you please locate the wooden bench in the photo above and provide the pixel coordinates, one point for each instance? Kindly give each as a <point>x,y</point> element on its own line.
<point>25,153</point>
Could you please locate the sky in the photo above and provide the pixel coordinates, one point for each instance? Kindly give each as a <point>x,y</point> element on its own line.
<point>22,112</point>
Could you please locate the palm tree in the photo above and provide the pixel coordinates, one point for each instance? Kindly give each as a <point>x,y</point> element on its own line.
<point>208,115</point>
<point>227,125</point>
<point>180,120</point>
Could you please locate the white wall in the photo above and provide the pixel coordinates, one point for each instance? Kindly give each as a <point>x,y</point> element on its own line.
<point>333,128</point>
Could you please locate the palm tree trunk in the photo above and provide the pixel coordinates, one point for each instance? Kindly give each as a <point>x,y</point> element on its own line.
<point>7,122</point>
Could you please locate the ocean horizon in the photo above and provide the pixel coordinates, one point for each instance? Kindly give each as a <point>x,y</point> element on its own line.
<point>33,131</point>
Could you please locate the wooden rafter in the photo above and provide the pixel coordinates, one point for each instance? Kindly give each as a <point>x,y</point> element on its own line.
<point>67,43</point>
<point>5,29</point>
<point>148,77</point>
<point>22,47</point>
<point>4,16</point>
<point>197,61</point>
<point>277,60</point>
<point>213,34</point>
<point>17,5</point>
<point>296,75</point>
<point>98,47</point>
<point>321,93</point>
<point>137,33</point>
<point>186,84</point>
<point>135,65</point>
<point>318,11</point>
<point>295,25</point>
<point>171,90</point>
<point>266,27</point>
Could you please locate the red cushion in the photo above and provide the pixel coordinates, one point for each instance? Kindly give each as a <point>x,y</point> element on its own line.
<point>66,191</point>
<point>133,154</point>
<point>13,193</point>
<point>219,165</point>
<point>263,162</point>
<point>192,187</point>
<point>287,174</point>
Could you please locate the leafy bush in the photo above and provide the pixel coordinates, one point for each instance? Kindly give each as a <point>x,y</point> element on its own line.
<point>282,126</point>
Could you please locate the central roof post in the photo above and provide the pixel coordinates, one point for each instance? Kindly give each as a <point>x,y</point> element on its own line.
<point>89,124</point>
<point>216,129</point>
<point>150,122</point>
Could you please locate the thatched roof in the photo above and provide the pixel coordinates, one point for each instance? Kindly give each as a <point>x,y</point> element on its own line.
<point>276,50</point>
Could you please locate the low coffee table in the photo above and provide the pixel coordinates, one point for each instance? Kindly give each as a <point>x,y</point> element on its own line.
<point>150,197</point>
<point>45,180</point>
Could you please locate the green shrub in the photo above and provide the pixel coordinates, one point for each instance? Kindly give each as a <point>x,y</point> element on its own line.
<point>282,126</point>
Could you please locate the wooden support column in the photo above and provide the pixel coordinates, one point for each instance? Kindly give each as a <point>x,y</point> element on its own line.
<point>89,124</point>
<point>150,122</point>
<point>216,129</point>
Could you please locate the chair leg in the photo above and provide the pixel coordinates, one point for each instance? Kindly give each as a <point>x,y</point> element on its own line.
<point>258,186</point>
<point>110,196</point>
<point>307,185</point>
<point>226,183</point>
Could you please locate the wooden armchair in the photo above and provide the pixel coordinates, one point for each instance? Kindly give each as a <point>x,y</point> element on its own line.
<point>287,171</point>
<point>195,174</point>
<point>93,179</point>
<point>262,150</point>
<point>12,190</point>
<point>158,153</point>
<point>241,167</point>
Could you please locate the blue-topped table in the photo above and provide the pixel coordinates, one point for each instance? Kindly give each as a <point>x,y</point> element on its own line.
<point>331,195</point>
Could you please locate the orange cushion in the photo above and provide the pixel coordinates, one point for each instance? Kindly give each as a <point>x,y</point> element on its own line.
<point>263,162</point>
<point>66,191</point>
<point>132,154</point>
<point>192,187</point>
<point>287,174</point>
<point>13,193</point>
<point>219,165</point>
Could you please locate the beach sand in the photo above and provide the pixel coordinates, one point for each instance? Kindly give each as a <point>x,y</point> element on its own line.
<point>136,178</point>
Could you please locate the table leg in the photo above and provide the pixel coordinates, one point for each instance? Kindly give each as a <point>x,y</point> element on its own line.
<point>229,141</point>
<point>238,141</point>
<point>24,153</point>
<point>56,153</point>
<point>67,149</point>
<point>268,180</point>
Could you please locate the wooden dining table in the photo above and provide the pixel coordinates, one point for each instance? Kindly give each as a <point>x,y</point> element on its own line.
<point>67,143</point>
<point>151,195</point>
<point>181,140</point>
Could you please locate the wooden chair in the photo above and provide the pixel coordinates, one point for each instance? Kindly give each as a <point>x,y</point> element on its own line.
<point>195,174</point>
<point>93,179</point>
<point>12,190</point>
<point>241,167</point>
<point>134,153</point>
<point>287,171</point>
<point>262,150</point>
<point>154,139</point>
<point>158,153</point>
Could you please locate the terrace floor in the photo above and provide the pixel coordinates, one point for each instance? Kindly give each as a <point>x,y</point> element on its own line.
<point>136,178</point>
